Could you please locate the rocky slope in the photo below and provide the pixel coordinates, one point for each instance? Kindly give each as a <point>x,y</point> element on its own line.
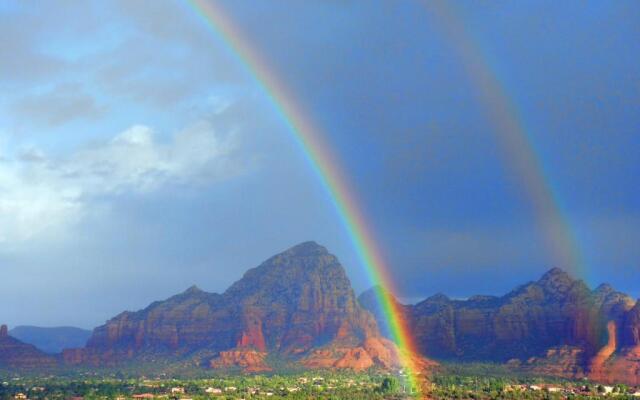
<point>297,305</point>
<point>555,326</point>
<point>16,355</point>
<point>621,356</point>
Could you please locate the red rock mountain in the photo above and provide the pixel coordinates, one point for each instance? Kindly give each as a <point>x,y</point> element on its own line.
<point>297,305</point>
<point>16,355</point>
<point>621,356</point>
<point>555,326</point>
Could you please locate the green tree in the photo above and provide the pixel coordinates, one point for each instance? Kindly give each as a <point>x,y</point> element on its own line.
<point>389,385</point>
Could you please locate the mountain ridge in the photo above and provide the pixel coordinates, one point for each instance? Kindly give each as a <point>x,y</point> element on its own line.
<point>15,354</point>
<point>298,304</point>
<point>556,325</point>
<point>51,340</point>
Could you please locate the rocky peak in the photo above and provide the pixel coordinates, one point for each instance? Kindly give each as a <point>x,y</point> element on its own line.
<point>306,249</point>
<point>193,290</point>
<point>299,298</point>
<point>604,289</point>
<point>613,304</point>
<point>438,298</point>
<point>4,332</point>
<point>556,282</point>
<point>301,265</point>
<point>438,301</point>
<point>556,275</point>
<point>370,296</point>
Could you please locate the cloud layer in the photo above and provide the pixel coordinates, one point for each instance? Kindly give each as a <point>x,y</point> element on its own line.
<point>59,105</point>
<point>41,193</point>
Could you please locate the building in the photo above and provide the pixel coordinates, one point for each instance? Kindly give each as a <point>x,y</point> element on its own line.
<point>144,396</point>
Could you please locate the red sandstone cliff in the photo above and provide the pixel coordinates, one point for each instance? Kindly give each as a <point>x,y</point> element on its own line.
<point>619,359</point>
<point>554,326</point>
<point>298,305</point>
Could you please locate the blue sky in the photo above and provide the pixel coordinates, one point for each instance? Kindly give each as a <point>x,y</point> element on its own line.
<point>137,157</point>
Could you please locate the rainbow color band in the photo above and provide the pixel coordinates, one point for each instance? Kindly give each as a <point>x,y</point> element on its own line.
<point>309,139</point>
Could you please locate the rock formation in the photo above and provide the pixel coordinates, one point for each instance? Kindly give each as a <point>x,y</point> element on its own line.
<point>298,305</point>
<point>555,326</point>
<point>15,355</point>
<point>620,358</point>
<point>246,360</point>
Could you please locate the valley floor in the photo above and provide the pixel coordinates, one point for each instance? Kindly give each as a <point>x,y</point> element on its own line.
<point>304,386</point>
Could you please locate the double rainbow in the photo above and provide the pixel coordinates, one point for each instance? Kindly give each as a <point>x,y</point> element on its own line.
<point>509,130</point>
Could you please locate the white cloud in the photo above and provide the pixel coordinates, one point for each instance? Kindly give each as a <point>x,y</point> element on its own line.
<point>41,195</point>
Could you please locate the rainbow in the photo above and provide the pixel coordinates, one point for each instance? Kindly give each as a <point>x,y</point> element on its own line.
<point>510,131</point>
<point>514,138</point>
<point>309,138</point>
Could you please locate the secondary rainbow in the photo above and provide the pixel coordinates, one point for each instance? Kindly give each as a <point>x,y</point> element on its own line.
<point>513,136</point>
<point>309,138</point>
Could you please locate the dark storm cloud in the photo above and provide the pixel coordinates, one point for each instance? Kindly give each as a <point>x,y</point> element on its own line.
<point>406,119</point>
